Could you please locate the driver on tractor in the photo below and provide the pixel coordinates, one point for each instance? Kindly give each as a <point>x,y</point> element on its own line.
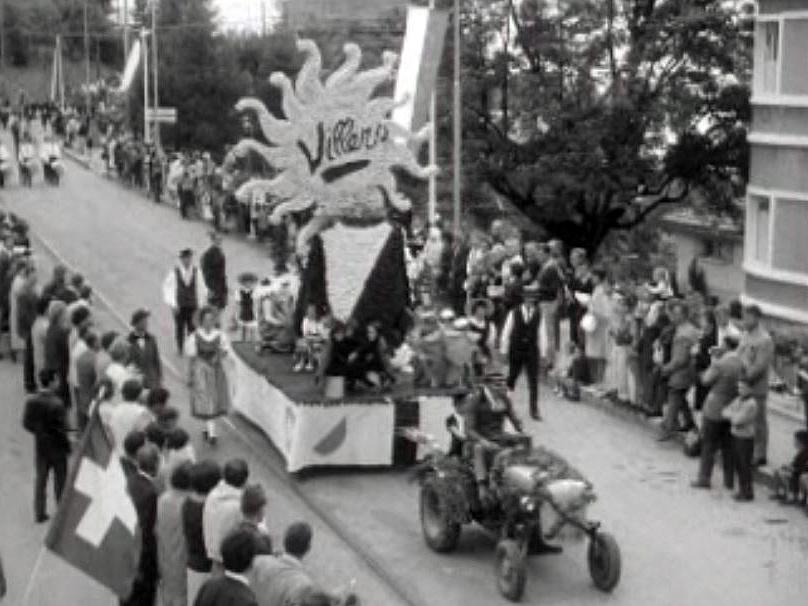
<point>484,416</point>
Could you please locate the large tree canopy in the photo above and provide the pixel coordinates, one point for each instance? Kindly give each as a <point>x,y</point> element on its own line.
<point>588,115</point>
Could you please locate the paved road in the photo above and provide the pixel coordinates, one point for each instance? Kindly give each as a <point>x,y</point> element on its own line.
<point>679,546</point>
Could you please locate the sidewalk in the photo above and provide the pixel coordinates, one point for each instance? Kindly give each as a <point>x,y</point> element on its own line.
<point>784,420</point>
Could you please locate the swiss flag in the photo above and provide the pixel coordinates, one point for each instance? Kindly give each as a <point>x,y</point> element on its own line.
<point>96,528</point>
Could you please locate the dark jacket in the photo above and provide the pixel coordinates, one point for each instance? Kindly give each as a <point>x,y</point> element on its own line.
<point>26,312</point>
<point>144,496</point>
<point>198,559</point>
<point>45,417</point>
<point>680,368</point>
<point>57,350</point>
<point>224,591</point>
<point>146,359</point>
<point>214,271</point>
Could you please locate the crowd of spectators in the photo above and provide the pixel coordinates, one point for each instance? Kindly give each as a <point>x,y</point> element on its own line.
<point>203,523</point>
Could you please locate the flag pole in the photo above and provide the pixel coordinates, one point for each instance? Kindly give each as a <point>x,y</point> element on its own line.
<point>457,121</point>
<point>145,53</point>
<point>29,587</point>
<point>433,152</point>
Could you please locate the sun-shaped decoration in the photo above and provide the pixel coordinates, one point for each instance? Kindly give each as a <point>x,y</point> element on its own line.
<point>336,149</point>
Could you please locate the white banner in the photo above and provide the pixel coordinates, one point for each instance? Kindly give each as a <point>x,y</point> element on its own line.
<point>132,63</point>
<point>343,434</point>
<point>418,70</point>
<point>313,434</point>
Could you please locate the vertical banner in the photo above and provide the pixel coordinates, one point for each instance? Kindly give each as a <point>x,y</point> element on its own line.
<point>132,63</point>
<point>418,70</point>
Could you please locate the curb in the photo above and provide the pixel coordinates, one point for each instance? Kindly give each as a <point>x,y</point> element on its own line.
<point>763,475</point>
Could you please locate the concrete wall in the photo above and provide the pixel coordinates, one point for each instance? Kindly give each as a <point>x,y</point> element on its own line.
<point>725,279</point>
<point>778,6</point>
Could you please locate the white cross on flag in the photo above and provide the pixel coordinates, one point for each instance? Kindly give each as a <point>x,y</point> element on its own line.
<point>96,527</point>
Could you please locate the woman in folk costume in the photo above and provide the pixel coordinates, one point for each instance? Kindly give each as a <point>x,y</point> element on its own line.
<point>206,349</point>
<point>597,340</point>
<point>247,303</point>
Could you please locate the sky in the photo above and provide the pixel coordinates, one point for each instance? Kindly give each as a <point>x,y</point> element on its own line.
<point>243,15</point>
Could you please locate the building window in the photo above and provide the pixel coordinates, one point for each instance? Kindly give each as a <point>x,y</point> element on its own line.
<point>791,243</point>
<point>794,74</point>
<point>759,232</point>
<point>767,52</point>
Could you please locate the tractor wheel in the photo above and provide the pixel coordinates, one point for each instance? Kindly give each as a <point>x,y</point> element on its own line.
<point>440,533</point>
<point>604,561</point>
<point>511,570</point>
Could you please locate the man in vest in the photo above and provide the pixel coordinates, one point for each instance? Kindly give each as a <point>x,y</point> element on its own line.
<point>519,342</point>
<point>184,291</point>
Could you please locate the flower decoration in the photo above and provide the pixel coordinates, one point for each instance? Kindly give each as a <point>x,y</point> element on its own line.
<point>336,147</point>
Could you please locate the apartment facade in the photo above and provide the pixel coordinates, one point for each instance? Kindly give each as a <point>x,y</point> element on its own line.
<point>776,235</point>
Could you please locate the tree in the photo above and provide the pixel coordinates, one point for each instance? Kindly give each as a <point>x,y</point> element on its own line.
<point>614,108</point>
<point>196,75</point>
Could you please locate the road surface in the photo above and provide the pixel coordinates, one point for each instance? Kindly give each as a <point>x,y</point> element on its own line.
<point>680,546</point>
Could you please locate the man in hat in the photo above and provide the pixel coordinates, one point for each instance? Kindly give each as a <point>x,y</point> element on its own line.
<point>145,355</point>
<point>519,342</point>
<point>184,291</point>
<point>214,271</point>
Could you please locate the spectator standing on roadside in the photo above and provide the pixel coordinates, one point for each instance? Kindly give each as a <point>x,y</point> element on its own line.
<point>253,510</point>
<point>283,580</point>
<point>222,512</point>
<point>172,555</point>
<point>144,496</point>
<point>205,475</point>
<point>86,378</point>
<point>46,419</point>
<point>27,307</point>
<point>756,351</point>
<point>742,413</point>
<point>145,355</point>
<point>233,587</point>
<point>721,380</point>
<point>57,347</point>
<point>679,371</point>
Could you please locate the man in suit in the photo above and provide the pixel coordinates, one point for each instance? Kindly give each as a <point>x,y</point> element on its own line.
<point>233,587</point>
<point>45,417</point>
<point>145,355</point>
<point>144,496</point>
<point>520,343</point>
<point>214,270</point>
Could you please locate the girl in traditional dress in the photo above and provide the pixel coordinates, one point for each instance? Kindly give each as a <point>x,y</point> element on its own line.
<point>206,350</point>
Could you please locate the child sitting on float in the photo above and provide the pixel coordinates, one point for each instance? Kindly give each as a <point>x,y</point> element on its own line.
<point>373,360</point>
<point>275,321</point>
<point>247,303</point>
<point>310,345</point>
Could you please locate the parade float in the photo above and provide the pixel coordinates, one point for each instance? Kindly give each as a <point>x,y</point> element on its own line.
<point>333,155</point>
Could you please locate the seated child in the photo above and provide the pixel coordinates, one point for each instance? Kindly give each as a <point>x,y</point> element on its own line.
<point>373,362</point>
<point>246,305</point>
<point>789,484</point>
<point>275,313</point>
<point>571,373</point>
<point>310,345</point>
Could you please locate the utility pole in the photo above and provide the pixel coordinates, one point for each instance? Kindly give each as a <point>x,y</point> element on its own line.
<point>144,41</point>
<point>263,18</point>
<point>458,123</point>
<point>2,34</point>
<point>433,152</point>
<point>155,69</point>
<point>125,29</point>
<point>87,56</point>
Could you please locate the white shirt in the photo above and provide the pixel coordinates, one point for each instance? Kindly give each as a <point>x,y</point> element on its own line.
<point>220,516</point>
<point>186,275</point>
<point>507,329</point>
<point>122,418</point>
